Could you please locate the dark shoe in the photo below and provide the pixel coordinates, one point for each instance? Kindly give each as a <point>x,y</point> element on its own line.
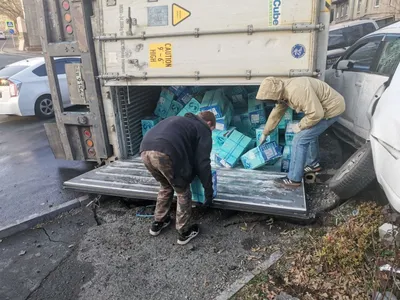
<point>313,169</point>
<point>187,236</point>
<point>286,183</point>
<point>157,227</point>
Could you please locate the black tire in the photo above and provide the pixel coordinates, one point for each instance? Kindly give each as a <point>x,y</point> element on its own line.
<point>355,174</point>
<point>44,108</point>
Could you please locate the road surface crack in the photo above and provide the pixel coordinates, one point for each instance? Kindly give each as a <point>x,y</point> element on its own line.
<point>50,239</point>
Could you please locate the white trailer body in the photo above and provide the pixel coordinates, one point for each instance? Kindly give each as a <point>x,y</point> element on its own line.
<point>130,49</point>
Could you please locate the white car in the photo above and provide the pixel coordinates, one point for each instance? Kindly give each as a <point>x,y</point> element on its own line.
<point>2,35</point>
<point>25,90</point>
<point>344,35</point>
<point>368,77</point>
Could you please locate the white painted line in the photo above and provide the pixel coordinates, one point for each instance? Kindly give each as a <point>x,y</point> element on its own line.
<point>241,282</point>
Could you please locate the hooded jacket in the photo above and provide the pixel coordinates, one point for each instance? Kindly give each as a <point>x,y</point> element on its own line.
<point>316,99</point>
<point>187,141</point>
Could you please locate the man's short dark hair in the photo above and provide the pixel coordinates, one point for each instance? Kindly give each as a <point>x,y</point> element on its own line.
<point>208,116</point>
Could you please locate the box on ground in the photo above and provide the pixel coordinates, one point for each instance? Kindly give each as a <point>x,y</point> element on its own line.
<point>233,148</point>
<point>261,155</point>
<point>148,123</point>
<point>198,191</point>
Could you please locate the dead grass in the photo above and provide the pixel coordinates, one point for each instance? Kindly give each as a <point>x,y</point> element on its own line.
<point>341,263</point>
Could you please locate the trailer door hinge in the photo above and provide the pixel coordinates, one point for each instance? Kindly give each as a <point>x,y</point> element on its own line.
<point>248,74</point>
<point>111,2</point>
<point>131,22</point>
<point>250,29</point>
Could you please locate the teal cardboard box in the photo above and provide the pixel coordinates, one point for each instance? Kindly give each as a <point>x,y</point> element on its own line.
<point>233,148</point>
<point>193,107</point>
<point>184,98</point>
<point>216,102</point>
<point>164,103</point>
<point>198,191</point>
<point>242,122</point>
<point>220,136</point>
<point>174,109</point>
<point>261,155</point>
<point>178,89</point>
<point>256,110</point>
<point>224,122</point>
<point>148,123</point>
<point>237,95</point>
<point>273,137</point>
<point>289,133</point>
<point>287,117</point>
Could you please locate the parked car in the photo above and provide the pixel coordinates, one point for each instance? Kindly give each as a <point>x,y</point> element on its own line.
<point>25,90</point>
<point>343,35</point>
<point>368,77</point>
<point>2,35</point>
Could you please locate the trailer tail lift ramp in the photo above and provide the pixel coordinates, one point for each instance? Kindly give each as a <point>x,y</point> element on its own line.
<point>238,189</point>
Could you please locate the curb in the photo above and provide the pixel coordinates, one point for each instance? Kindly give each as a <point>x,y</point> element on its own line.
<point>241,282</point>
<point>4,50</point>
<point>37,218</point>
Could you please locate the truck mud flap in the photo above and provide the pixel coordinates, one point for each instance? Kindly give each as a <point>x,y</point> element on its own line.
<point>238,189</point>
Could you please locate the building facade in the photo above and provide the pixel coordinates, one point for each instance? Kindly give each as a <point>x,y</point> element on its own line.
<point>384,12</point>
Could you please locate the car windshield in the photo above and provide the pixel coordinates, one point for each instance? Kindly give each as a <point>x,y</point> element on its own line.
<point>347,36</point>
<point>9,71</point>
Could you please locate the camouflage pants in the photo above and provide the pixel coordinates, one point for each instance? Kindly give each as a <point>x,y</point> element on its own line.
<point>160,167</point>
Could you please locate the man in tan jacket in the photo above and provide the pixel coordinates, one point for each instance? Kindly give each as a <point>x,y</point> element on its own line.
<point>322,107</point>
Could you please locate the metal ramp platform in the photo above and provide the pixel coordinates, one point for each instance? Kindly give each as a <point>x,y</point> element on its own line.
<point>238,189</point>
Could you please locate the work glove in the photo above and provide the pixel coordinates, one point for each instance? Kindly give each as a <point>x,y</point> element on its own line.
<point>262,139</point>
<point>296,128</point>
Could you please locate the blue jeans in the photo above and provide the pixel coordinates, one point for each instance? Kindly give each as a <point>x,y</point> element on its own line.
<point>305,148</point>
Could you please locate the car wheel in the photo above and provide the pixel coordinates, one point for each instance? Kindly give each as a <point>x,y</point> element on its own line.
<point>44,107</point>
<point>355,174</point>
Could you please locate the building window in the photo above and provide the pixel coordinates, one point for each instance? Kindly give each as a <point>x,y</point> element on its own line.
<point>377,3</point>
<point>345,10</point>
<point>366,6</point>
<point>337,12</point>
<point>342,7</point>
<point>359,6</point>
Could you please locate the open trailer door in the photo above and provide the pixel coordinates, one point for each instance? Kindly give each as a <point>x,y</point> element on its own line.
<point>238,189</point>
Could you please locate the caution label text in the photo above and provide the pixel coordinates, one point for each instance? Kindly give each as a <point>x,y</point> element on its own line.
<point>160,55</point>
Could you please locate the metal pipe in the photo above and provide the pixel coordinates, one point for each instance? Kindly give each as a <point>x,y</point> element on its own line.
<point>145,77</point>
<point>249,30</point>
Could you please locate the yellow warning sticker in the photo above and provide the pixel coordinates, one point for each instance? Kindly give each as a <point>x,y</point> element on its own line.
<point>160,55</point>
<point>328,4</point>
<point>179,14</point>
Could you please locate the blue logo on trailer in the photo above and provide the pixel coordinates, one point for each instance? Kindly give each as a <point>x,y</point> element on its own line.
<point>298,51</point>
<point>11,31</point>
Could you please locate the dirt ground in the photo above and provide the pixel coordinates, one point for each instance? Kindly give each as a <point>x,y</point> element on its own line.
<point>118,259</point>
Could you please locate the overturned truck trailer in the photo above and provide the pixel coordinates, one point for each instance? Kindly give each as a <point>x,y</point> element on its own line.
<point>130,49</point>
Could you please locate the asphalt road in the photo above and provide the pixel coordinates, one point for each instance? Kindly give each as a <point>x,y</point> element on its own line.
<point>30,177</point>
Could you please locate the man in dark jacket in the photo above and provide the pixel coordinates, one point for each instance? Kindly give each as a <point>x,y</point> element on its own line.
<point>175,151</point>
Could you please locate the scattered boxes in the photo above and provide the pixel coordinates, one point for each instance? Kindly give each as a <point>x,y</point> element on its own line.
<point>273,137</point>
<point>224,122</point>
<point>198,191</point>
<point>174,109</point>
<point>233,148</point>
<point>193,107</point>
<point>148,123</point>
<point>164,103</point>
<point>216,102</point>
<point>261,155</point>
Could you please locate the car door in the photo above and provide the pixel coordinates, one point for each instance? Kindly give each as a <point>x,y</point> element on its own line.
<point>384,67</point>
<point>349,82</point>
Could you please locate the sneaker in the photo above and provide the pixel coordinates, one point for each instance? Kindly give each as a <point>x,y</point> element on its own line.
<point>313,169</point>
<point>157,227</point>
<point>187,236</point>
<point>286,182</point>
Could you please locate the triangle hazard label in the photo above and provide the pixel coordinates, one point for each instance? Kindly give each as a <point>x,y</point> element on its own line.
<point>179,14</point>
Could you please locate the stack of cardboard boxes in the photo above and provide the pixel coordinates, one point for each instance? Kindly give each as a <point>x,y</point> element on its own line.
<point>240,122</point>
